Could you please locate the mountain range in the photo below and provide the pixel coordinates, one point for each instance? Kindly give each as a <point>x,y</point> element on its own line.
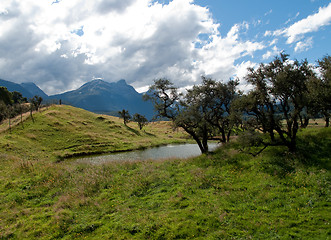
<point>96,96</point>
<point>28,89</point>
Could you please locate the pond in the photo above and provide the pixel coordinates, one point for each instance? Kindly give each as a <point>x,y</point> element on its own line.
<point>156,153</point>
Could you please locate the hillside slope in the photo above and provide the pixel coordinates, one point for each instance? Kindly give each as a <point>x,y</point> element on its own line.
<point>64,131</point>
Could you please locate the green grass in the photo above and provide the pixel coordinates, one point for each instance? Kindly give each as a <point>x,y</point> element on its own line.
<point>64,131</point>
<point>225,195</point>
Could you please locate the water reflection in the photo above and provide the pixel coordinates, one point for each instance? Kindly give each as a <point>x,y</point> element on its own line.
<point>164,152</point>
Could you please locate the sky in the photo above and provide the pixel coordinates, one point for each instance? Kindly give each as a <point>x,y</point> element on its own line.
<point>62,44</point>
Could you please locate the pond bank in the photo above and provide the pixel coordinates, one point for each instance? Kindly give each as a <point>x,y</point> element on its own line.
<point>154,153</point>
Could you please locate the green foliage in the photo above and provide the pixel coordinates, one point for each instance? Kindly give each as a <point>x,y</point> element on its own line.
<point>279,95</point>
<point>18,98</point>
<point>165,97</point>
<point>5,96</point>
<point>11,104</point>
<point>141,120</point>
<point>124,114</point>
<point>319,97</point>
<point>36,102</point>
<point>204,111</point>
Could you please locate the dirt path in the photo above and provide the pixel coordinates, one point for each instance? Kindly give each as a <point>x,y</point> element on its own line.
<point>4,125</point>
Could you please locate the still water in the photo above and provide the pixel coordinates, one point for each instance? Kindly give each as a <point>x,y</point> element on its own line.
<point>163,152</point>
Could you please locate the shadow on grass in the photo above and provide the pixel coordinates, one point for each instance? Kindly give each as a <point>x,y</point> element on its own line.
<point>150,134</point>
<point>133,130</point>
<point>313,150</point>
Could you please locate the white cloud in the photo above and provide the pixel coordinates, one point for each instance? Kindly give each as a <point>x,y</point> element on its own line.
<point>138,40</point>
<point>304,45</point>
<point>268,13</point>
<point>312,23</point>
<point>218,57</point>
<point>275,51</point>
<point>291,19</point>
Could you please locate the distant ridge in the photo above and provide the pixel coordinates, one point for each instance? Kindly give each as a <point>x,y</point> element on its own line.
<point>104,97</point>
<point>96,96</point>
<point>34,89</point>
<point>17,87</point>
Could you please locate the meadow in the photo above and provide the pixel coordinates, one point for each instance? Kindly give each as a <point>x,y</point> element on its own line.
<point>227,194</point>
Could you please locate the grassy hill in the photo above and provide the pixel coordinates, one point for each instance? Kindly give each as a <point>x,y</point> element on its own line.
<point>225,195</point>
<point>64,131</point>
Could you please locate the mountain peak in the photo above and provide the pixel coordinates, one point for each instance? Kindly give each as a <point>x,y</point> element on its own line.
<point>98,80</point>
<point>107,97</point>
<point>122,82</point>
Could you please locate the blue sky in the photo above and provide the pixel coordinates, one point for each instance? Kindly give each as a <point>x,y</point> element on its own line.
<point>265,16</point>
<point>62,44</point>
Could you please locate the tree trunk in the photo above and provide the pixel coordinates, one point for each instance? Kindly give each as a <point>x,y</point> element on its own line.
<point>327,121</point>
<point>9,124</point>
<point>205,139</point>
<point>292,145</point>
<point>223,136</point>
<point>21,110</point>
<point>228,136</point>
<point>202,147</point>
<point>272,134</point>
<point>304,121</point>
<point>31,115</point>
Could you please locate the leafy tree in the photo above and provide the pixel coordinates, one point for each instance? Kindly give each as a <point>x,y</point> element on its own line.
<point>125,115</point>
<point>278,97</point>
<point>36,102</point>
<point>166,103</point>
<point>217,98</point>
<point>320,91</point>
<point>165,97</point>
<point>141,120</point>
<point>202,112</point>
<point>5,96</point>
<point>3,111</point>
<point>18,98</point>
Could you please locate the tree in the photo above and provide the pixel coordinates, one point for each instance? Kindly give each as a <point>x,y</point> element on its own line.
<point>36,102</point>
<point>125,115</point>
<point>320,91</point>
<point>202,112</point>
<point>3,111</point>
<point>141,120</point>
<point>216,99</point>
<point>5,96</point>
<point>18,98</point>
<point>165,97</point>
<point>278,97</point>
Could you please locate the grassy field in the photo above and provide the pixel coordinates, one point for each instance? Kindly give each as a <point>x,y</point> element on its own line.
<point>225,195</point>
<point>62,131</point>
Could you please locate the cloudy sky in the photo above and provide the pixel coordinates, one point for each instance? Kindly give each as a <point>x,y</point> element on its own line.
<point>62,44</point>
